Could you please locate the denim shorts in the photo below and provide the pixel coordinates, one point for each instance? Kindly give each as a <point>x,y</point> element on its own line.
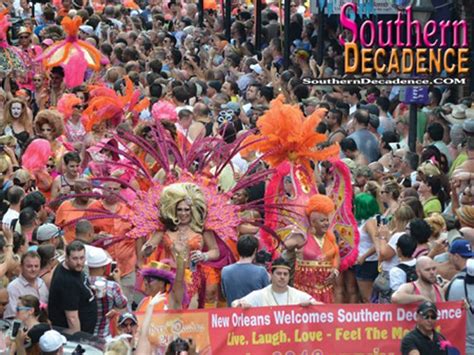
<point>368,271</point>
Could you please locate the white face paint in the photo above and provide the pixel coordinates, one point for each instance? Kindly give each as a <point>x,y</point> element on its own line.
<point>16,110</point>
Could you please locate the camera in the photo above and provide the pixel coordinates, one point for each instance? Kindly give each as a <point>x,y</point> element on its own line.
<point>15,328</point>
<point>381,220</point>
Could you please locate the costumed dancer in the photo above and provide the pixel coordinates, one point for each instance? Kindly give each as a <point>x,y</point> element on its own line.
<point>74,55</point>
<point>183,210</point>
<point>71,107</point>
<point>185,204</point>
<point>289,142</point>
<point>317,260</point>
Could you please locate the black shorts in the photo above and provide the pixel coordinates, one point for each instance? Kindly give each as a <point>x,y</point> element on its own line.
<point>368,271</point>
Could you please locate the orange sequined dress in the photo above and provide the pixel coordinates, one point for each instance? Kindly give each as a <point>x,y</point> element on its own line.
<point>315,267</point>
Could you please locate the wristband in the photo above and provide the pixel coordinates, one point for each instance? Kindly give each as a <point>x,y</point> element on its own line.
<point>205,256</point>
<point>8,245</point>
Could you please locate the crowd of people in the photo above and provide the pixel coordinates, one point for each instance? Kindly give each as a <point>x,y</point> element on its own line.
<point>79,258</point>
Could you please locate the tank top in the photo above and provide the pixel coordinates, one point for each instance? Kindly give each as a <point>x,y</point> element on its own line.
<point>365,243</point>
<point>438,294</point>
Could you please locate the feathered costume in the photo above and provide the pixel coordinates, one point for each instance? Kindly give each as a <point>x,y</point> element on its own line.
<point>11,58</point>
<point>192,166</point>
<point>106,105</point>
<point>289,142</point>
<point>74,55</point>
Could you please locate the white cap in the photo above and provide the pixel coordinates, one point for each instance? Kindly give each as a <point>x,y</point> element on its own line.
<point>97,257</point>
<point>51,341</point>
<point>87,29</point>
<point>256,68</point>
<point>47,231</point>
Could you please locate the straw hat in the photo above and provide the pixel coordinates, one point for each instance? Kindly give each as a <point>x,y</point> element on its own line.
<point>458,114</point>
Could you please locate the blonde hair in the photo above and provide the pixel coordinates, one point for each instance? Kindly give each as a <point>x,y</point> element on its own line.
<point>192,195</point>
<point>401,217</point>
<point>437,224</point>
<point>392,187</point>
<point>118,347</point>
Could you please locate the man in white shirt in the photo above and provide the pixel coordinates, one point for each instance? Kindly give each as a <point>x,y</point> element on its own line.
<point>278,293</point>
<point>14,196</point>
<point>405,271</point>
<point>28,283</point>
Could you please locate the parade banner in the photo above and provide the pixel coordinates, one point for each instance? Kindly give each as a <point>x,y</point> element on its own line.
<point>295,330</point>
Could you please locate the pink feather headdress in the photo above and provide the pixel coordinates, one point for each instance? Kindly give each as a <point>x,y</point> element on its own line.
<point>36,155</point>
<point>164,110</point>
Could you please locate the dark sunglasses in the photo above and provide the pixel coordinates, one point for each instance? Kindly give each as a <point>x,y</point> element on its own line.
<point>79,107</point>
<point>430,316</point>
<point>23,37</point>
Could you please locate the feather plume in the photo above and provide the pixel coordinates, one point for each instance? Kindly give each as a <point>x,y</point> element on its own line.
<point>36,155</point>
<point>286,135</point>
<point>66,104</point>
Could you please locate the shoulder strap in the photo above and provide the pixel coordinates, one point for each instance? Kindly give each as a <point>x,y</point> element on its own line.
<point>404,267</point>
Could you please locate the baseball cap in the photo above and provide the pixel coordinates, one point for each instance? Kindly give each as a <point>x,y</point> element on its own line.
<point>426,307</point>
<point>461,247</point>
<point>311,101</point>
<point>98,257</point>
<point>256,68</point>
<point>51,341</point>
<point>468,126</point>
<point>125,316</point>
<point>87,29</point>
<point>47,231</point>
<point>373,109</point>
<point>47,42</point>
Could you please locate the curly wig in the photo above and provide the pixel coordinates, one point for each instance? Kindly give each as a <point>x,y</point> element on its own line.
<point>192,195</point>
<point>53,118</point>
<point>321,204</point>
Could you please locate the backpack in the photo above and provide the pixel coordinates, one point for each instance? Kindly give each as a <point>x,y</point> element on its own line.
<point>410,271</point>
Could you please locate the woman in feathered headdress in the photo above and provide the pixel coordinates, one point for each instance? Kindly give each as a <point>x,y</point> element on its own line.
<point>71,107</point>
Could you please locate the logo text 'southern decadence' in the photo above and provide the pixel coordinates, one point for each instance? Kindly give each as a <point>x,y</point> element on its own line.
<point>404,45</point>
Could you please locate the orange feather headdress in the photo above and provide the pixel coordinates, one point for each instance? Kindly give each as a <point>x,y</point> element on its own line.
<point>106,104</point>
<point>66,104</point>
<point>285,134</point>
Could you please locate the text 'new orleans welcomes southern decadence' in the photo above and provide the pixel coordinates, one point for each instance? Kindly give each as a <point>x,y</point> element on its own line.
<point>238,324</point>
